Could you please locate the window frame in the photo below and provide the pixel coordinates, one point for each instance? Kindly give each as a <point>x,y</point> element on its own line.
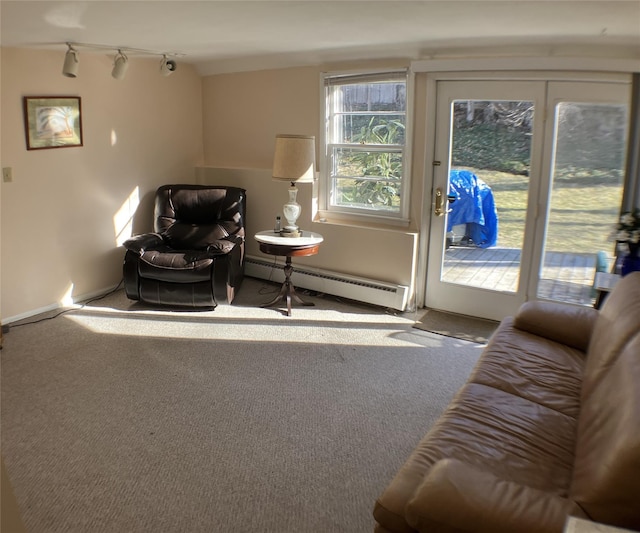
<point>326,181</point>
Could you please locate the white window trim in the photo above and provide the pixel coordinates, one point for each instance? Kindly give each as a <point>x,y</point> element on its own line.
<point>344,214</point>
<point>524,64</point>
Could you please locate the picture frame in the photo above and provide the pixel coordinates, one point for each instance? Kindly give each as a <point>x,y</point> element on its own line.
<point>52,121</point>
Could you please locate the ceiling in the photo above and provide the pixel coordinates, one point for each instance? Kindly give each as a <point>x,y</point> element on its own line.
<point>242,35</point>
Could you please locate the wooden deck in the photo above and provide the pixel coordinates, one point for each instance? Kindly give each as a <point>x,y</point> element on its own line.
<point>565,277</point>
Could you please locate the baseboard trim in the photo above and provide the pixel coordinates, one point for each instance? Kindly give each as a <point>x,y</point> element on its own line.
<point>77,301</point>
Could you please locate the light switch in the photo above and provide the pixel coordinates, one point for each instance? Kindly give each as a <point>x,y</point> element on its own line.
<point>7,174</point>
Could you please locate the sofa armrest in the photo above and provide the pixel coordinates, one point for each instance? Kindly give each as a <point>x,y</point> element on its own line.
<point>567,324</point>
<point>146,241</point>
<point>458,497</point>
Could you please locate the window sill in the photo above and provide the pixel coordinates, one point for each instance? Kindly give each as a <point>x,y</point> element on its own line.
<point>368,222</point>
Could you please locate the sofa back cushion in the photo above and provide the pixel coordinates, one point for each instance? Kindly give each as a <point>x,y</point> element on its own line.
<point>617,322</point>
<point>606,475</point>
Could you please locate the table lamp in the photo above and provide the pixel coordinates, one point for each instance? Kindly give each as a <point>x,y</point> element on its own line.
<point>293,161</point>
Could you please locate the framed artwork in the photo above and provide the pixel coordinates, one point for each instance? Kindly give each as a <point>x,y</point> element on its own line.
<point>52,122</point>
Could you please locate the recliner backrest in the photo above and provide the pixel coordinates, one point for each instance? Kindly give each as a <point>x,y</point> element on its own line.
<point>195,216</point>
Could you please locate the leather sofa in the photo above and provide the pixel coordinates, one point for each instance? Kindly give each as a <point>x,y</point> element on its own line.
<point>196,251</point>
<point>547,426</point>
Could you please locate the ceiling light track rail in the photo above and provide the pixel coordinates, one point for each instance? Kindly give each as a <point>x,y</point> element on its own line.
<point>126,49</point>
<point>120,61</point>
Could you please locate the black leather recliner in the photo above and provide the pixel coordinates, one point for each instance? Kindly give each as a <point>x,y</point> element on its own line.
<point>196,252</point>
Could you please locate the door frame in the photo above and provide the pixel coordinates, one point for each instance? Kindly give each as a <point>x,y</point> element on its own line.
<point>483,301</point>
<point>431,81</point>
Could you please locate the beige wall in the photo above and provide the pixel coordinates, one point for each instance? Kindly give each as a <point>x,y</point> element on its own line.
<point>242,114</point>
<point>58,232</point>
<point>57,217</point>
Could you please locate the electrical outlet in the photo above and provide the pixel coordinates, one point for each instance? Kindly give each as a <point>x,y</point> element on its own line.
<point>7,174</point>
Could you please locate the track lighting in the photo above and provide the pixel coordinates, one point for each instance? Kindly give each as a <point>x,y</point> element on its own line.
<point>70,67</point>
<point>120,65</point>
<point>167,66</point>
<point>120,61</point>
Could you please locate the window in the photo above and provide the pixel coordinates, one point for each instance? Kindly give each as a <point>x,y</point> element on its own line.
<point>364,171</point>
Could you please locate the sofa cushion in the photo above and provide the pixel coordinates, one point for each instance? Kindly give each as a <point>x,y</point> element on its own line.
<point>516,439</point>
<point>566,324</point>
<point>458,497</point>
<point>532,367</point>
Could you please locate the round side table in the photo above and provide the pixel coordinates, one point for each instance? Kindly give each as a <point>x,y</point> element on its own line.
<point>273,244</point>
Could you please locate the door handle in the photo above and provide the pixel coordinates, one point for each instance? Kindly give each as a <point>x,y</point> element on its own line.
<point>439,211</point>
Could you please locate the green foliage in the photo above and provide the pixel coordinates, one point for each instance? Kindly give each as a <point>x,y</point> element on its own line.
<point>492,147</point>
<point>375,192</point>
<point>590,137</point>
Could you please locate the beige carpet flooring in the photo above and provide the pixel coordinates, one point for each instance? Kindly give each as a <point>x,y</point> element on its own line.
<point>118,418</point>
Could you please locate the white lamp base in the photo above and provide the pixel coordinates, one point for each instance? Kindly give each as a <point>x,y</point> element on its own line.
<point>291,210</point>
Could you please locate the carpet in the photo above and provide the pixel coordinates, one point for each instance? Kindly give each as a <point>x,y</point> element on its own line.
<point>121,418</point>
<point>458,326</point>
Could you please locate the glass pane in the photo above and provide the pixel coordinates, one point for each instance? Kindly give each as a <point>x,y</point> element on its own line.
<point>382,195</point>
<point>489,186</point>
<point>356,182</point>
<point>382,96</point>
<point>586,194</point>
<point>371,129</point>
<point>361,163</point>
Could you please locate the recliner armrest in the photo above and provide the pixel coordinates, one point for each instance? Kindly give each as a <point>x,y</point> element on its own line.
<point>235,238</point>
<point>221,247</point>
<point>458,497</point>
<point>564,323</point>
<point>145,241</point>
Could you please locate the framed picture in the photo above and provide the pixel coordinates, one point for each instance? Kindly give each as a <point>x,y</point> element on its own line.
<point>52,122</point>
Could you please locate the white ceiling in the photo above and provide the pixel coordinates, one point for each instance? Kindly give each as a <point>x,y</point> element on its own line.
<point>248,35</point>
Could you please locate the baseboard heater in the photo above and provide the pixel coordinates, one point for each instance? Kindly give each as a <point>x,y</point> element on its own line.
<point>359,289</point>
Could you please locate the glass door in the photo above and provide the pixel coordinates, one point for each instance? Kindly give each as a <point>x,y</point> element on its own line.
<point>587,132</point>
<point>527,181</point>
<point>486,179</point>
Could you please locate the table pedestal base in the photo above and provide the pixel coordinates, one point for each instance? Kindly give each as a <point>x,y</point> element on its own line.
<point>288,291</point>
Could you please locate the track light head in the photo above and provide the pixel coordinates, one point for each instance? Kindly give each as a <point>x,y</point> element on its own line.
<point>167,66</point>
<point>70,67</point>
<point>120,65</point>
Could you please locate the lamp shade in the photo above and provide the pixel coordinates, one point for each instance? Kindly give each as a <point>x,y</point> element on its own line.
<point>294,158</point>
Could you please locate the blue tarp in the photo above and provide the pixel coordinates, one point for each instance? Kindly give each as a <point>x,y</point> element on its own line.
<point>474,206</point>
